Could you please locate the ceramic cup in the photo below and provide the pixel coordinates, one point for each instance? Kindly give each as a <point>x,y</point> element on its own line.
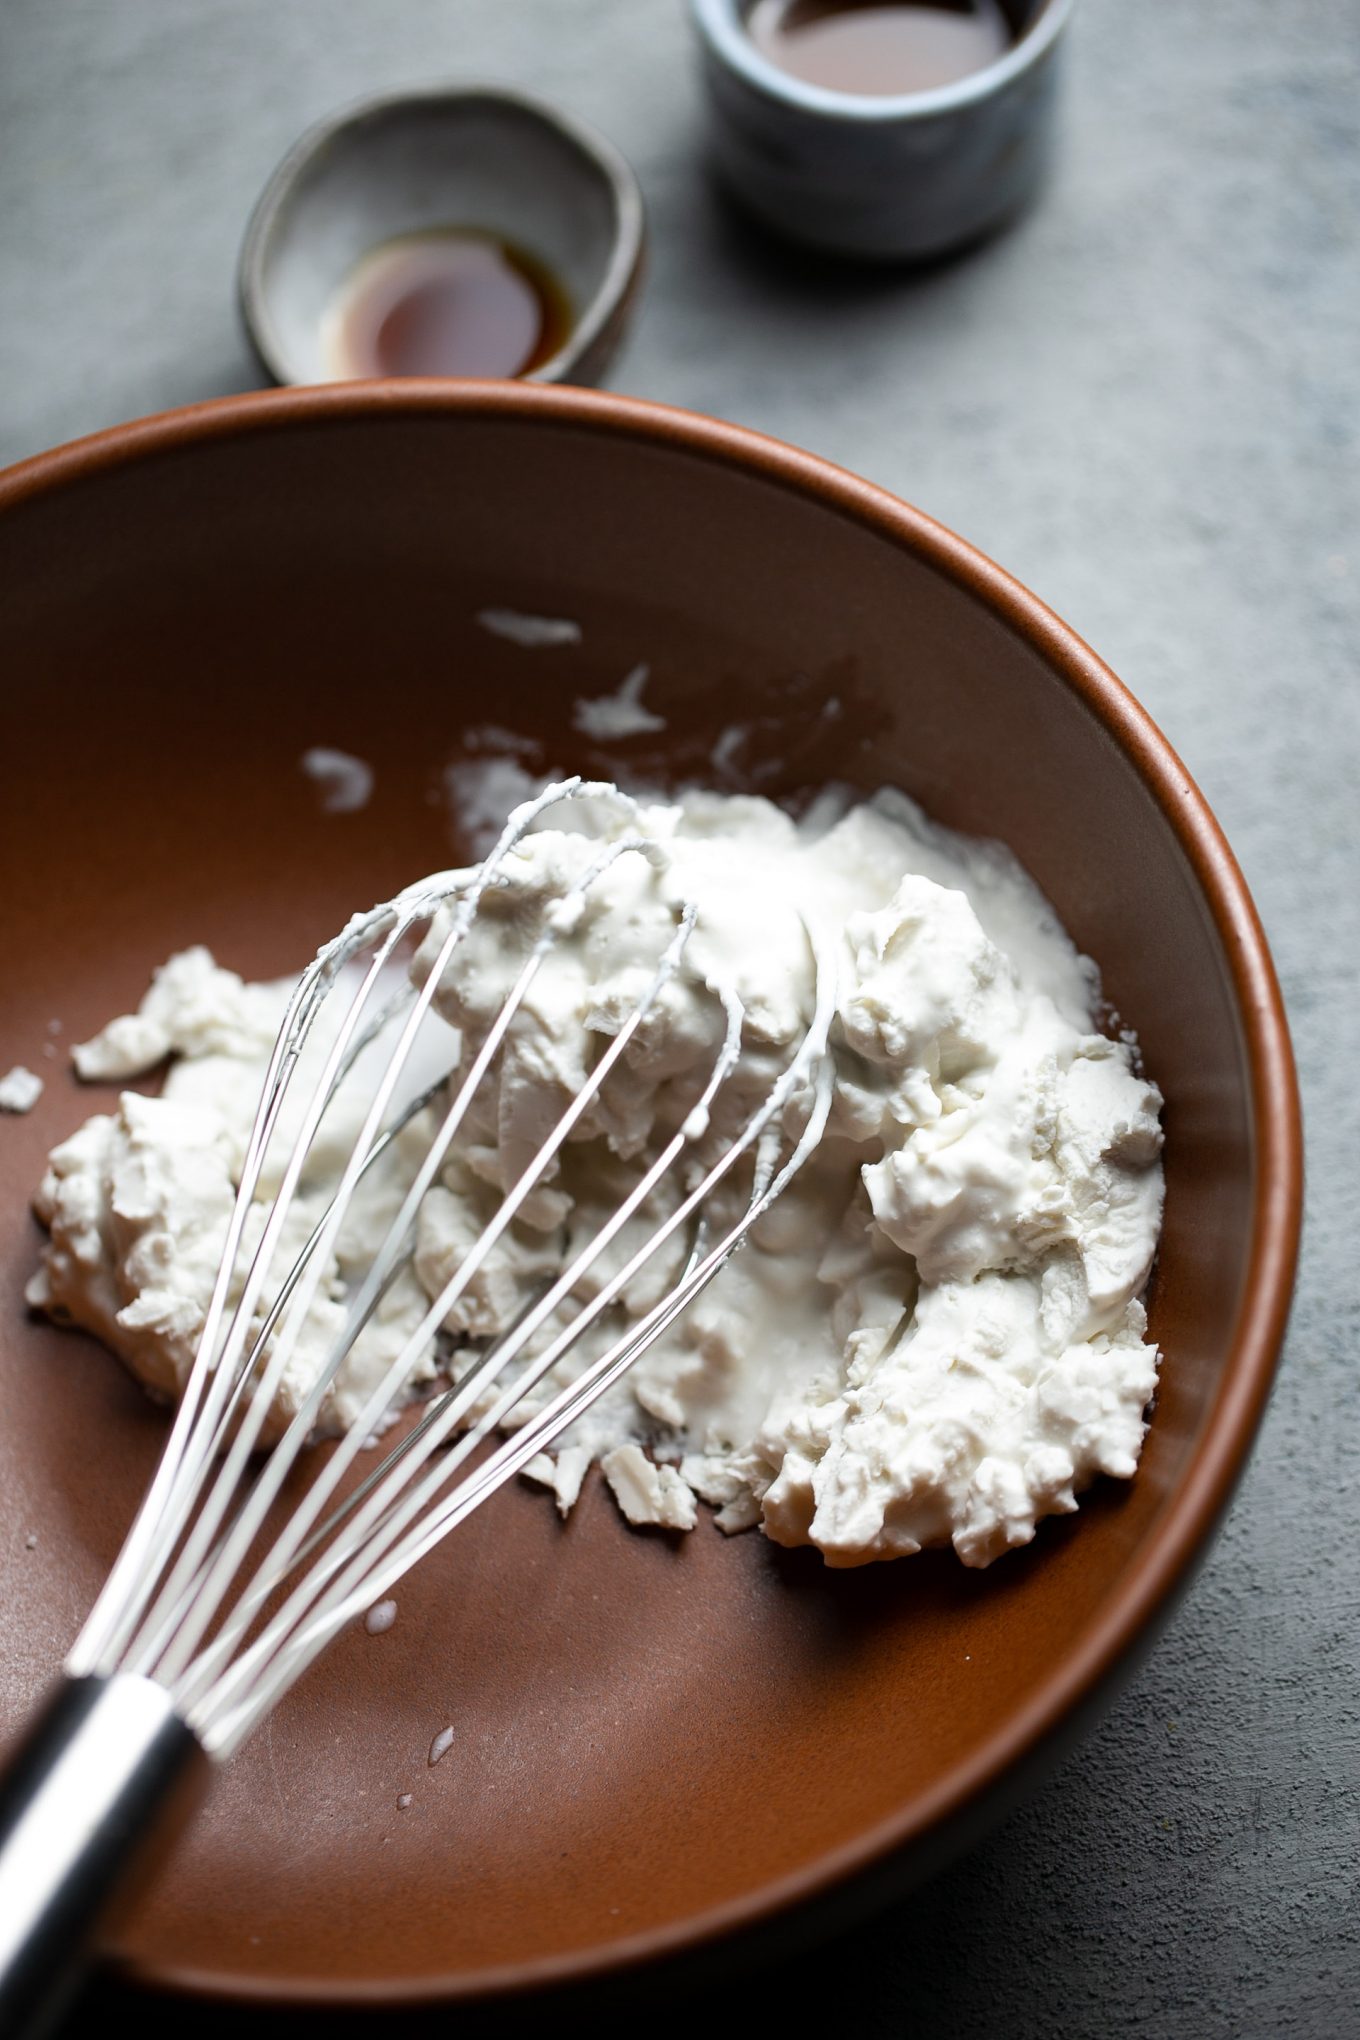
<point>887,179</point>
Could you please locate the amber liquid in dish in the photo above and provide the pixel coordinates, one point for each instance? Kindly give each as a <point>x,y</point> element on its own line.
<point>454,301</point>
<point>876,49</point>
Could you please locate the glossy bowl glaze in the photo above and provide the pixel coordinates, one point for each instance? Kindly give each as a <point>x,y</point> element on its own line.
<point>656,1743</point>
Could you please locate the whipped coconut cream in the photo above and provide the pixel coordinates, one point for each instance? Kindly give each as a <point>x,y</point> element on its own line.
<point>533,633</point>
<point>138,1200</point>
<point>20,1090</point>
<point>934,1336</point>
<point>609,718</point>
<point>345,782</point>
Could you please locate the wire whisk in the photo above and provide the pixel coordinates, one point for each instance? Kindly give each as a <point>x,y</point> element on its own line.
<point>209,1615</point>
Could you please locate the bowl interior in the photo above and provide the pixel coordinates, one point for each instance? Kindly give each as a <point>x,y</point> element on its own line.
<point>652,1738</point>
<point>462,159</point>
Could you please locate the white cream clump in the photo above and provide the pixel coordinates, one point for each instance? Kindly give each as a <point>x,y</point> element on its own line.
<point>934,1336</point>
<point>345,782</point>
<point>610,717</point>
<point>20,1090</point>
<point>530,632</point>
<point>137,1201</point>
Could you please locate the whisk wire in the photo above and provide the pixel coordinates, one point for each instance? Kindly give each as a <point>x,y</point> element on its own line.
<point>277,1564</point>
<point>226,1367</point>
<point>96,1647</point>
<point>376,1567</point>
<point>204,1437</point>
<point>187,1602</point>
<point>280,1558</point>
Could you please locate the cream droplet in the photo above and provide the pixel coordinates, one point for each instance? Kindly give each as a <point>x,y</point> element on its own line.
<point>344,782</point>
<point>380,1617</point>
<point>440,1744</point>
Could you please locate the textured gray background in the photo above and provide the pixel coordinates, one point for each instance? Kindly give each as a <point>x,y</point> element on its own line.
<point>1143,402</point>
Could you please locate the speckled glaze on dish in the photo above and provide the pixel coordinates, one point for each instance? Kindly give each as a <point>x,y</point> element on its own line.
<point>461,156</point>
<point>656,1743</point>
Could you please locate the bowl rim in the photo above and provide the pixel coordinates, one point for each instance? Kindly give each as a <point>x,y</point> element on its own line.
<point>1161,1568</point>
<point>721,28</point>
<point>622,270</point>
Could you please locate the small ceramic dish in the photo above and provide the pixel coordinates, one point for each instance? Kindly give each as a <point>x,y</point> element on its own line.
<point>888,178</point>
<point>469,157</point>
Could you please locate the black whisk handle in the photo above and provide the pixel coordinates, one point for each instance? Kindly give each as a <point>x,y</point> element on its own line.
<point>107,1771</point>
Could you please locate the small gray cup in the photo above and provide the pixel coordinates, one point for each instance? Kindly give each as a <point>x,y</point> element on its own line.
<point>887,179</point>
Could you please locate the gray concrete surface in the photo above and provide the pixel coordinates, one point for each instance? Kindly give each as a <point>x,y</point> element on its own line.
<point>1144,402</point>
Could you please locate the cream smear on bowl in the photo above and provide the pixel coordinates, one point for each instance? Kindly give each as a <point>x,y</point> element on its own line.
<point>935,1335</point>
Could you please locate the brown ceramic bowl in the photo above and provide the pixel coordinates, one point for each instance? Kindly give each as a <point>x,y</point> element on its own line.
<point>657,1743</point>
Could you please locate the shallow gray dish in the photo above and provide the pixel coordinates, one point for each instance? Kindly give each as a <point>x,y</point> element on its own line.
<point>461,156</point>
<point>899,178</point>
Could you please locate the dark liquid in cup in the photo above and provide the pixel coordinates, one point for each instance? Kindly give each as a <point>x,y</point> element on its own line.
<point>449,302</point>
<point>875,49</point>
